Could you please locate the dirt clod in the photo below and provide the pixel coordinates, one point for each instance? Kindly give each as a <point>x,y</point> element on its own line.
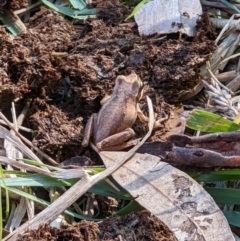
<point>135,226</point>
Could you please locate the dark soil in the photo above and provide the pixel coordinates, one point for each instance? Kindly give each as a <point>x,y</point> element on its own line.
<point>140,226</point>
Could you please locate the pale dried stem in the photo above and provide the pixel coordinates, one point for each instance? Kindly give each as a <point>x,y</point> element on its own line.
<point>15,19</point>
<point>215,79</point>
<point>23,114</point>
<point>23,10</point>
<point>26,141</point>
<point>224,29</point>
<point>20,127</point>
<point>231,50</point>
<point>226,76</point>
<point>221,23</point>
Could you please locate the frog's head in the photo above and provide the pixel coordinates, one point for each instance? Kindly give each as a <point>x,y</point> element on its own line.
<point>130,85</point>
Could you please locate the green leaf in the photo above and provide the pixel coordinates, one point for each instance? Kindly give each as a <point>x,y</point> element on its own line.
<point>233,217</point>
<point>205,121</point>
<point>224,195</point>
<point>137,8</point>
<point>9,25</point>
<point>78,4</point>
<point>76,14</point>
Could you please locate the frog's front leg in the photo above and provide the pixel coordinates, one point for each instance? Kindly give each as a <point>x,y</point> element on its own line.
<point>89,130</point>
<point>116,140</point>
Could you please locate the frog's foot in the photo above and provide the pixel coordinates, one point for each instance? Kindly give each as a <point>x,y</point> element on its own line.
<point>157,123</point>
<point>116,139</point>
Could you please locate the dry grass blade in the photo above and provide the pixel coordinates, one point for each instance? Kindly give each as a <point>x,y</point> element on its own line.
<point>29,143</point>
<point>82,186</point>
<point>21,165</point>
<point>224,29</point>
<point>4,133</point>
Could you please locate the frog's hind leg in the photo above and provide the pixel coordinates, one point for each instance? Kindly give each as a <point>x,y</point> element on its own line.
<point>116,139</point>
<point>123,146</point>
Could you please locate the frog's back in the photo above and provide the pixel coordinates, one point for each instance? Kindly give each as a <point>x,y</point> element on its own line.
<point>115,116</point>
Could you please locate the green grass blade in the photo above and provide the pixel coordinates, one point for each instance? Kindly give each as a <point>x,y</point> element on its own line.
<point>78,4</point>
<point>230,5</point>
<point>37,180</point>
<point>222,175</point>
<point>233,217</point>
<point>131,207</point>
<point>45,203</point>
<point>224,195</point>
<point>216,178</point>
<point>1,214</point>
<point>91,11</point>
<point>38,164</point>
<point>9,25</point>
<point>6,191</point>
<point>18,173</point>
<point>76,14</point>
<point>208,122</point>
<point>137,8</point>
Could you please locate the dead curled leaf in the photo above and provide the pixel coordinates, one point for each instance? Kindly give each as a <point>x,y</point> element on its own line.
<point>210,150</point>
<point>172,196</point>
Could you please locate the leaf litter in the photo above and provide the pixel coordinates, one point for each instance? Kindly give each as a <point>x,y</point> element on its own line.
<point>65,71</point>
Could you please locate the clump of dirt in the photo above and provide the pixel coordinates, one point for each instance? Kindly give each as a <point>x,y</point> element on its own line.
<point>135,226</point>
<point>112,12</point>
<point>65,72</point>
<point>65,130</point>
<point>81,231</point>
<point>140,225</point>
<point>13,4</point>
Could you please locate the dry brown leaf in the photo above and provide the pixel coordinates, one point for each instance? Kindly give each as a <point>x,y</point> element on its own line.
<point>172,196</point>
<point>179,16</point>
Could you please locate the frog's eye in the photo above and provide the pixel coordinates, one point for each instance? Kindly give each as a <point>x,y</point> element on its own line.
<point>119,80</point>
<point>136,88</point>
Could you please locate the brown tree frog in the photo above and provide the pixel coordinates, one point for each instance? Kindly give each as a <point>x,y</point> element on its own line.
<point>111,127</point>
